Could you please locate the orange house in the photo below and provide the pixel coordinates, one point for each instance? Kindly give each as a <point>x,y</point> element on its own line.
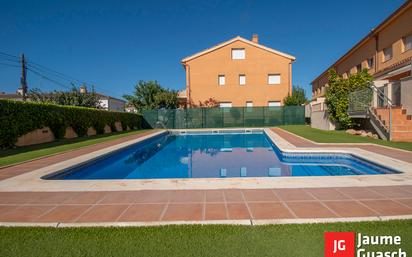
<point>238,72</point>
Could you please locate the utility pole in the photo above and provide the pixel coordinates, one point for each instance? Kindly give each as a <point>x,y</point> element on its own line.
<point>23,81</point>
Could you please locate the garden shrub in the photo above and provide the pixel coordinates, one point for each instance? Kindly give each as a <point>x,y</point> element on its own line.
<point>337,94</point>
<point>18,118</point>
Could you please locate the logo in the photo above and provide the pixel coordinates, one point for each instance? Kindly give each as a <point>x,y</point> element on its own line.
<point>339,244</point>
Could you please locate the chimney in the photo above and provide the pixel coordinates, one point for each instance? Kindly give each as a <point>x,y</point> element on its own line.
<point>255,38</point>
<point>83,90</point>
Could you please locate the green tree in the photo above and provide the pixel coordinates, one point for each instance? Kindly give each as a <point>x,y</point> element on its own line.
<point>151,95</point>
<point>298,97</point>
<point>167,99</point>
<point>73,97</point>
<point>337,94</point>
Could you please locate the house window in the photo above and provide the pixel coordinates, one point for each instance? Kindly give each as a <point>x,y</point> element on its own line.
<point>225,104</point>
<point>249,104</point>
<point>359,67</point>
<point>370,63</point>
<point>274,79</point>
<point>273,103</point>
<point>242,79</point>
<point>407,42</point>
<point>238,53</point>
<point>387,53</point>
<point>221,79</point>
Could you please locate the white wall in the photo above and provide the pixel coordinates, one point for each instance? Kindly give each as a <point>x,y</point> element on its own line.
<point>116,105</point>
<point>319,117</point>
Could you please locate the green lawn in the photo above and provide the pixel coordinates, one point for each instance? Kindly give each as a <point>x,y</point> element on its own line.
<point>20,154</point>
<point>191,240</point>
<point>339,136</point>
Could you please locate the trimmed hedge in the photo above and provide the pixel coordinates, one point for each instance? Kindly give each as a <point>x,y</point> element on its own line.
<point>18,118</point>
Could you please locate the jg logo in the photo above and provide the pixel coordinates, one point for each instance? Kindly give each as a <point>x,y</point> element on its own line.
<point>339,244</point>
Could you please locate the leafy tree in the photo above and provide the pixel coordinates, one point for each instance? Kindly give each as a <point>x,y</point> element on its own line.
<point>167,99</point>
<point>298,97</point>
<point>72,97</point>
<point>337,94</point>
<point>150,95</point>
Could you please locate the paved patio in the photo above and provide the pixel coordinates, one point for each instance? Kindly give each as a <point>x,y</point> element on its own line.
<point>202,205</point>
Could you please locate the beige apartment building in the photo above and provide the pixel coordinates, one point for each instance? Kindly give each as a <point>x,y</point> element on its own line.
<point>386,52</point>
<point>236,73</point>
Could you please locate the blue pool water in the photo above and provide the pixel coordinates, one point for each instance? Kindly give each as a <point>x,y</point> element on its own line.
<point>216,156</point>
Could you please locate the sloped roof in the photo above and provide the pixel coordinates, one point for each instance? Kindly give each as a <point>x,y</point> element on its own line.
<point>373,32</point>
<point>238,38</point>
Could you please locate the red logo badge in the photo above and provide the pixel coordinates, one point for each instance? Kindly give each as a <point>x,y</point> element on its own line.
<point>339,244</point>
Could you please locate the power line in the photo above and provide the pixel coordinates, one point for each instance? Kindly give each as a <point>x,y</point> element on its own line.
<point>40,70</point>
<point>9,55</point>
<point>45,72</point>
<point>50,71</point>
<point>9,59</point>
<point>7,64</point>
<point>49,79</point>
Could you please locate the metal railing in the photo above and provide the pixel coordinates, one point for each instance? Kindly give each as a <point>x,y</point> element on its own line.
<point>363,102</point>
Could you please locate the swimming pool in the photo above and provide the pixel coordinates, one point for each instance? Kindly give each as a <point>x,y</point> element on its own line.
<point>215,155</point>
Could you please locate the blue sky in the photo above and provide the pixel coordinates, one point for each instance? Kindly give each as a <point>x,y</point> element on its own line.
<point>114,44</point>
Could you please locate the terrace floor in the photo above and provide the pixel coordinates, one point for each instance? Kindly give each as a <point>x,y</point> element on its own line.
<point>249,205</point>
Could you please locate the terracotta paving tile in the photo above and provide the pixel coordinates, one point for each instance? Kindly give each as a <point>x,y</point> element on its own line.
<point>360,193</point>
<point>184,196</point>
<point>310,210</point>
<point>388,207</point>
<point>123,197</point>
<point>259,195</point>
<point>233,195</point>
<point>153,196</point>
<point>293,194</point>
<point>269,211</point>
<point>237,211</point>
<point>26,213</point>
<point>350,209</point>
<point>407,202</point>
<point>51,197</point>
<point>326,194</point>
<point>86,198</point>
<point>3,177</point>
<point>102,213</point>
<point>189,211</point>
<point>16,197</point>
<point>392,192</point>
<point>63,213</point>
<point>143,212</point>
<point>7,208</point>
<point>406,187</point>
<point>214,196</point>
<point>215,211</point>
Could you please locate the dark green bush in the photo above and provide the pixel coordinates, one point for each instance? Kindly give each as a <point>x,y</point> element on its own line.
<point>18,118</point>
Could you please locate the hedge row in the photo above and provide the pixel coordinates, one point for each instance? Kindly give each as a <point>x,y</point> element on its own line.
<point>18,118</point>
